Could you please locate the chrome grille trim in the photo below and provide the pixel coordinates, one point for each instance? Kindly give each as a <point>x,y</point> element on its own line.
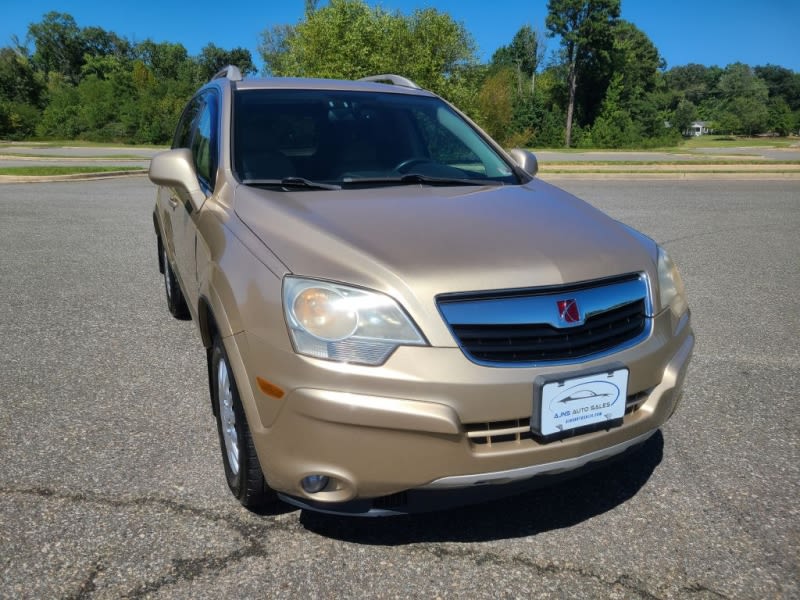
<point>518,328</point>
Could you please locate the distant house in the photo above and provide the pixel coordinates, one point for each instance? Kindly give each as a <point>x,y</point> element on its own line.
<point>698,128</point>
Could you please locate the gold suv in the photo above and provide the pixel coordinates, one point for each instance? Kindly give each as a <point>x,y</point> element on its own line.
<point>397,314</point>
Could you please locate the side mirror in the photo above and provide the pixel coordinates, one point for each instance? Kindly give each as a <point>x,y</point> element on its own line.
<point>175,169</point>
<point>526,160</point>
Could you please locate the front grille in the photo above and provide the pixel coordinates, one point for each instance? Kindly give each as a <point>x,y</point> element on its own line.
<point>519,327</point>
<point>498,432</point>
<point>517,431</point>
<point>537,342</point>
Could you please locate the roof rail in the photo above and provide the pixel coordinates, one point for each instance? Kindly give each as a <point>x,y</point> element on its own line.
<point>229,72</point>
<point>393,79</point>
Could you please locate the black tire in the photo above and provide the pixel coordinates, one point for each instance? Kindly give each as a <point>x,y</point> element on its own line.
<point>242,469</point>
<point>176,303</point>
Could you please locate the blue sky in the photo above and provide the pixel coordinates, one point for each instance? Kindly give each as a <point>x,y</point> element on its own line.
<point>710,32</point>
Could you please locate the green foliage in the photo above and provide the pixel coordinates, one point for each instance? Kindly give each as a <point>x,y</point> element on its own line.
<point>780,119</point>
<point>685,113</point>
<point>212,59</point>
<point>607,87</point>
<point>89,83</point>
<point>348,39</point>
<point>614,128</point>
<point>496,103</point>
<point>781,83</point>
<point>586,29</point>
<point>524,54</point>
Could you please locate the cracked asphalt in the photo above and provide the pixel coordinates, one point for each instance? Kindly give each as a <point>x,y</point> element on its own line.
<point>111,483</point>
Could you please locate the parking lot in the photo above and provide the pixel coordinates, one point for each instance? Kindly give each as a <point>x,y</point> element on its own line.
<point>111,484</point>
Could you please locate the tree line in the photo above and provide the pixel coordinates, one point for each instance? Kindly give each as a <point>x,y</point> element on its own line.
<point>605,86</point>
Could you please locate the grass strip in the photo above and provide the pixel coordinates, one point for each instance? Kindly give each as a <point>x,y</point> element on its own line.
<point>664,171</point>
<point>82,144</point>
<point>667,163</point>
<point>78,157</point>
<point>46,171</point>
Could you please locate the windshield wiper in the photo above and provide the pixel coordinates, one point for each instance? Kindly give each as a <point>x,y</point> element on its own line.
<point>412,178</point>
<point>293,182</point>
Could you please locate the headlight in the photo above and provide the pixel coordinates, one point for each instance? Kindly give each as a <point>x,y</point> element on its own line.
<point>670,285</point>
<point>343,323</point>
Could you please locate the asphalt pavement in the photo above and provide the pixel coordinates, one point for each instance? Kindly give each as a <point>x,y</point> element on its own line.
<point>111,483</point>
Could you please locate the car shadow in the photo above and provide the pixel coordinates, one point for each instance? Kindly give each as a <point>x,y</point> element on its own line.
<point>544,509</point>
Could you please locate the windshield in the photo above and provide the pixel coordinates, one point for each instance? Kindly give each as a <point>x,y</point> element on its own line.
<point>350,138</point>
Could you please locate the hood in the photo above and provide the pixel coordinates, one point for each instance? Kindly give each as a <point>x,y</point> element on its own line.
<point>416,242</point>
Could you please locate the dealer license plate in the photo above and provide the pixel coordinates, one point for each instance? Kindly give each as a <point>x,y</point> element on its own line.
<point>576,402</point>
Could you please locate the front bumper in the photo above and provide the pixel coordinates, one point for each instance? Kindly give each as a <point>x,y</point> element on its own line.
<point>379,432</point>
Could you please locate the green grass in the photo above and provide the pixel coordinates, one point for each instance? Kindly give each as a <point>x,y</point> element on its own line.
<point>691,144</point>
<point>81,144</point>
<point>44,171</point>
<point>723,141</point>
<point>77,157</point>
<point>667,163</point>
<point>662,172</point>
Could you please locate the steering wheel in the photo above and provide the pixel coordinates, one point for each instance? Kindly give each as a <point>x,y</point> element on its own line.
<point>410,162</point>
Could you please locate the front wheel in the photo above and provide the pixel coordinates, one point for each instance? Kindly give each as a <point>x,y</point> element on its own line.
<point>176,303</point>
<point>242,469</point>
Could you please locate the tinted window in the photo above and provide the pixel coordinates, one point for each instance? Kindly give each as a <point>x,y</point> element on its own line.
<point>197,131</point>
<point>183,133</point>
<point>203,143</point>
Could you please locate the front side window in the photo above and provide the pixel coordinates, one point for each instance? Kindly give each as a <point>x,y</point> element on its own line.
<point>183,133</point>
<point>354,138</point>
<point>197,131</point>
<point>203,144</point>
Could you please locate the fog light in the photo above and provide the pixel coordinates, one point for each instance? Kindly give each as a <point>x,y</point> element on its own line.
<point>314,483</point>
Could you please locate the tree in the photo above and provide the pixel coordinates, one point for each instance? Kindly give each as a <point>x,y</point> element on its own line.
<point>636,60</point>
<point>685,114</point>
<point>59,46</point>
<point>349,39</point>
<point>690,81</point>
<point>586,31</point>
<point>780,116</point>
<point>19,82</point>
<point>22,94</point>
<point>524,55</point>
<point>212,59</point>
<point>614,127</point>
<point>496,103</point>
<point>165,59</point>
<point>99,42</point>
<point>743,98</point>
<point>781,83</point>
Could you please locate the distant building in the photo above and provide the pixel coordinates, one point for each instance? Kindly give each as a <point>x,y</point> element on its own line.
<point>698,128</point>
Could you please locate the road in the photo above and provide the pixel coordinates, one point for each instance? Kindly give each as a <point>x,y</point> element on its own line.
<point>111,482</point>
